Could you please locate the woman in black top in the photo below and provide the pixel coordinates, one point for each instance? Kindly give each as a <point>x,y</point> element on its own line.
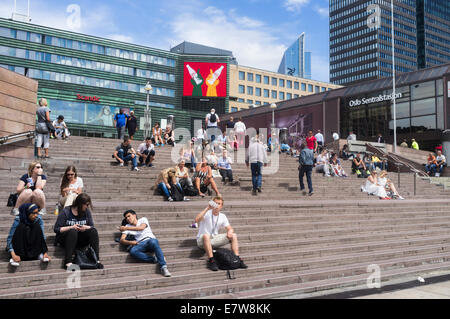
<point>28,241</point>
<point>75,228</point>
<point>132,125</point>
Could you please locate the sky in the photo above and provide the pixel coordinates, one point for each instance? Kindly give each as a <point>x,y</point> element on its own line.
<point>256,31</point>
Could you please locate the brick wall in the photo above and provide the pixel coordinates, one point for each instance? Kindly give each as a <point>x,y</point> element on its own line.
<point>18,96</point>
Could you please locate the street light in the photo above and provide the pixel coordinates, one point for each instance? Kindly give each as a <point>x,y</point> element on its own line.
<point>393,78</point>
<point>273,106</point>
<point>148,113</point>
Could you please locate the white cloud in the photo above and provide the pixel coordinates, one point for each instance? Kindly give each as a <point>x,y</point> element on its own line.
<point>253,42</point>
<point>121,37</point>
<point>295,5</point>
<point>324,12</point>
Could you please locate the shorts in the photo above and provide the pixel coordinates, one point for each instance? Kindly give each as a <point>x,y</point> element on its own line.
<point>216,242</point>
<point>42,138</point>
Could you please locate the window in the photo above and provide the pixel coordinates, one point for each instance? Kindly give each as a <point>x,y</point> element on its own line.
<point>288,96</point>
<point>241,75</point>
<point>266,93</point>
<point>274,94</point>
<point>422,107</point>
<point>317,89</point>
<point>258,102</point>
<point>422,90</point>
<point>241,100</point>
<point>282,83</point>
<point>249,101</point>
<point>258,78</point>
<point>296,96</point>
<point>258,91</point>
<point>423,123</point>
<point>266,80</point>
<point>401,109</point>
<point>303,87</point>
<point>289,84</point>
<point>250,90</point>
<point>241,89</point>
<point>324,89</point>
<point>234,109</point>
<point>296,86</point>
<point>250,77</point>
<point>281,95</point>
<point>310,87</point>
<point>274,81</point>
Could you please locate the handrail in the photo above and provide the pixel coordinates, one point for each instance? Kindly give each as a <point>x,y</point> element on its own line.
<point>18,137</point>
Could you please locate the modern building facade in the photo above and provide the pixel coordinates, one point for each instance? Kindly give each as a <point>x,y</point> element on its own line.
<point>296,61</point>
<point>88,79</point>
<point>250,87</point>
<point>366,108</point>
<point>360,37</point>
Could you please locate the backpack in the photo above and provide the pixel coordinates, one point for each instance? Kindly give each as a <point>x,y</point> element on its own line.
<point>176,193</point>
<point>188,190</point>
<point>226,259</point>
<point>213,118</point>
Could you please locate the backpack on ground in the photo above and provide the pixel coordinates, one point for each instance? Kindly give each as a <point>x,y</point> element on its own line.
<point>176,193</point>
<point>226,259</point>
<point>213,118</point>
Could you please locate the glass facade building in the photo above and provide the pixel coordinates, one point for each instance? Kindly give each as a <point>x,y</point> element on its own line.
<point>295,61</point>
<point>360,37</point>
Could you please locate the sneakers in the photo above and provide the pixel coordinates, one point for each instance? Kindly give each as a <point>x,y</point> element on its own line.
<point>136,169</point>
<point>399,197</point>
<point>186,199</point>
<point>242,264</point>
<point>437,175</point>
<point>121,164</point>
<point>212,265</point>
<point>310,193</point>
<point>170,199</point>
<point>254,192</point>
<point>165,272</point>
<point>43,211</point>
<point>150,165</point>
<point>193,225</point>
<point>13,263</point>
<point>14,212</point>
<point>259,189</point>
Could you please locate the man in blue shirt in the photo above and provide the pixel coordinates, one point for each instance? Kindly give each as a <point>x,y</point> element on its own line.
<point>224,163</point>
<point>120,122</point>
<point>306,165</point>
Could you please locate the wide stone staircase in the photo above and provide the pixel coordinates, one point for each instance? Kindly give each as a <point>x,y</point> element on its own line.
<point>294,245</point>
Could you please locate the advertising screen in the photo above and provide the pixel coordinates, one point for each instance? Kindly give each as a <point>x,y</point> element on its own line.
<point>205,79</point>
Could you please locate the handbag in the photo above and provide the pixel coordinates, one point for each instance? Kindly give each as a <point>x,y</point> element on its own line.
<point>50,126</point>
<point>86,258</point>
<point>12,200</point>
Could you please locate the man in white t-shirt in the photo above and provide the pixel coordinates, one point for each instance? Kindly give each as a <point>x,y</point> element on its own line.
<point>146,152</point>
<point>320,140</point>
<point>212,120</point>
<point>145,241</point>
<point>210,221</point>
<point>239,130</point>
<point>441,162</point>
<point>60,126</point>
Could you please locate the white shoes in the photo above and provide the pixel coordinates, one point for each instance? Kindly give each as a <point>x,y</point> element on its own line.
<point>399,197</point>
<point>136,169</point>
<point>13,263</point>
<point>14,212</point>
<point>186,199</point>
<point>121,164</point>
<point>437,175</point>
<point>43,259</point>
<point>165,272</point>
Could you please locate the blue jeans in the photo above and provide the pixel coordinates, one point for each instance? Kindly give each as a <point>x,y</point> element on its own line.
<point>13,229</point>
<point>150,245</point>
<point>431,168</point>
<point>305,169</point>
<point>163,188</point>
<point>256,174</point>
<point>127,158</point>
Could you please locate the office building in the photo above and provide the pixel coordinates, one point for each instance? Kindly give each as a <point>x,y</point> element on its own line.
<point>296,61</point>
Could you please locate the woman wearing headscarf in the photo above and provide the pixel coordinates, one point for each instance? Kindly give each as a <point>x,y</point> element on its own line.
<point>28,241</point>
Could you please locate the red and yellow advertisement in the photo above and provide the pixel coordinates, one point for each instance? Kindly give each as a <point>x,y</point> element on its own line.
<point>205,79</point>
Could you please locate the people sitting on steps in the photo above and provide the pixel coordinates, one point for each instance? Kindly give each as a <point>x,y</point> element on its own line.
<point>384,181</point>
<point>210,220</point>
<point>31,188</point>
<point>224,166</point>
<point>203,178</point>
<point>169,136</point>
<point>71,186</point>
<point>146,152</point>
<point>28,241</point>
<point>322,163</point>
<point>61,130</point>
<point>430,167</point>
<point>157,135</point>
<point>182,177</point>
<point>167,185</point>
<point>372,187</point>
<point>125,153</point>
<point>440,163</point>
<point>74,228</point>
<point>336,168</point>
<point>144,241</point>
<point>359,167</point>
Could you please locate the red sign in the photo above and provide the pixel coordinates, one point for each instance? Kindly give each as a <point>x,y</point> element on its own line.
<point>205,79</point>
<point>88,98</point>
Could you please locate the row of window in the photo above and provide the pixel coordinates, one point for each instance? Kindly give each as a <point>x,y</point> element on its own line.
<point>347,12</point>
<point>397,42</point>
<point>109,84</point>
<point>289,84</point>
<point>353,78</point>
<point>84,46</point>
<point>398,50</point>
<point>355,35</point>
<point>438,54</point>
<point>347,53</point>
<point>355,68</point>
<point>83,63</point>
<point>439,47</point>
<point>398,34</point>
<point>397,59</point>
<point>429,20</point>
<point>397,67</point>
<point>352,61</point>
<point>265,92</point>
<point>429,27</point>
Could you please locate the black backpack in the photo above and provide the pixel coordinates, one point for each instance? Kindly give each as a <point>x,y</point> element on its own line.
<point>226,259</point>
<point>177,194</point>
<point>213,118</point>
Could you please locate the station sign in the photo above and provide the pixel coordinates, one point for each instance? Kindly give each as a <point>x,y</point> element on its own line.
<point>375,99</point>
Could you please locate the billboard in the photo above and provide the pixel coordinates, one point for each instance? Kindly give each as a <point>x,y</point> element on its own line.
<point>205,79</point>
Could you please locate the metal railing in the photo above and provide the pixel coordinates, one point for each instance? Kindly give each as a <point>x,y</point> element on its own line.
<point>15,138</point>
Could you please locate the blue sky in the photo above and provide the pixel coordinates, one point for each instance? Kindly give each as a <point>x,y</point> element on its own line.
<point>257,31</point>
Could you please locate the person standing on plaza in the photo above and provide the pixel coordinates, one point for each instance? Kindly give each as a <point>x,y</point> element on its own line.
<point>120,122</point>
<point>239,130</point>
<point>212,120</point>
<point>414,144</point>
<point>311,141</point>
<point>256,158</point>
<point>230,123</point>
<point>351,136</point>
<point>320,140</point>
<point>380,138</point>
<point>42,131</point>
<point>132,125</point>
<point>306,161</point>
<point>404,144</point>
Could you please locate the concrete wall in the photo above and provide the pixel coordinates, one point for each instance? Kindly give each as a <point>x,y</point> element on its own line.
<point>18,96</point>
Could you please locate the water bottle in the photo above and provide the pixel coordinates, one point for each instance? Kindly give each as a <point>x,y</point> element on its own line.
<point>194,75</point>
<point>57,210</point>
<point>215,76</point>
<point>30,182</point>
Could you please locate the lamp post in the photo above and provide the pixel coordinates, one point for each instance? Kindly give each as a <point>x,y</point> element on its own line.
<point>393,79</point>
<point>273,106</point>
<point>148,113</point>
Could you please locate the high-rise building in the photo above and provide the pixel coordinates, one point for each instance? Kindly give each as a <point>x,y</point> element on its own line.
<point>360,37</point>
<point>295,61</point>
